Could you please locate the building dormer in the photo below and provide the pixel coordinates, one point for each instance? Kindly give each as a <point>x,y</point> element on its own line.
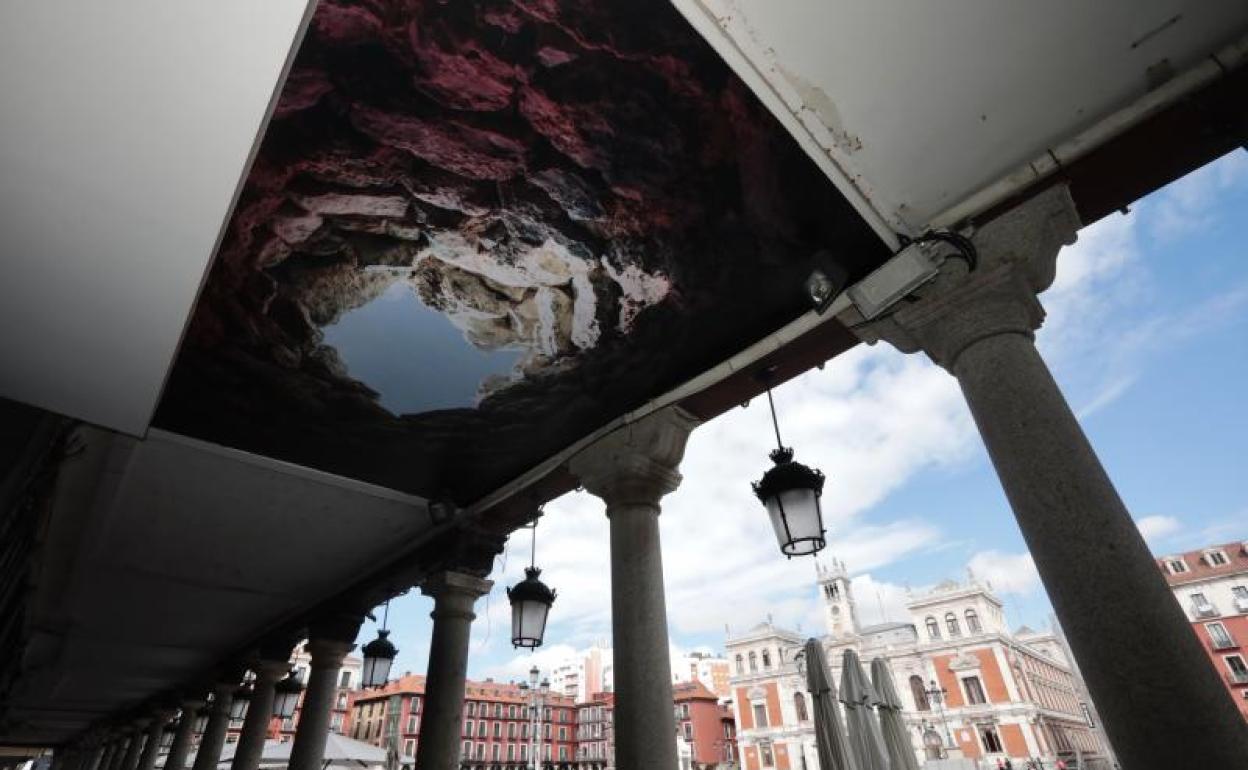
<point>1176,565</point>
<point>1215,557</point>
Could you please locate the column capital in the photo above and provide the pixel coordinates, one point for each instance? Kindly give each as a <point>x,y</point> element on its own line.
<point>328,652</point>
<point>1017,260</point>
<point>637,463</point>
<point>454,593</point>
<point>270,670</point>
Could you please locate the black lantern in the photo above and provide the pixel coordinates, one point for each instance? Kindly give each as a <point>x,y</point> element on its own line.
<point>791,492</point>
<point>286,696</point>
<point>238,706</point>
<point>530,604</point>
<point>201,719</point>
<point>379,655</point>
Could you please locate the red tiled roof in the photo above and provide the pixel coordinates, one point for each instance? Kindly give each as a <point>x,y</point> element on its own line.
<point>694,690</point>
<point>1200,569</point>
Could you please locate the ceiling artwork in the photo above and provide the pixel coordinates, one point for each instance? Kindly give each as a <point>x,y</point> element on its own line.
<point>476,231</point>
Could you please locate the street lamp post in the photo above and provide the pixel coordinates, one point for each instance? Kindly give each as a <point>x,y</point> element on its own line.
<point>537,693</point>
<point>937,694</point>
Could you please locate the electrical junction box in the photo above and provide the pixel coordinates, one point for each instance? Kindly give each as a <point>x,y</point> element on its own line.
<point>909,269</point>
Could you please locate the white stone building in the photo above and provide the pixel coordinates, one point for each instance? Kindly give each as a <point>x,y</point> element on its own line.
<point>1005,695</point>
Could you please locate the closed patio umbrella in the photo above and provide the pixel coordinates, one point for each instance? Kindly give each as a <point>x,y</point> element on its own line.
<point>896,738</point>
<point>864,737</point>
<point>830,737</point>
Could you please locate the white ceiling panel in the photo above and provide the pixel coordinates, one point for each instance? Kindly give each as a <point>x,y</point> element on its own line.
<point>124,131</point>
<point>913,107</point>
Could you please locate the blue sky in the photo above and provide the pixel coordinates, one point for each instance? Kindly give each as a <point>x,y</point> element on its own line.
<point>1147,334</point>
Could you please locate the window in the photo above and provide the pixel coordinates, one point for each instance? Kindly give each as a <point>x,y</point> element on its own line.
<point>688,727</point>
<point>546,731</point>
<point>1215,558</point>
<point>933,628</point>
<point>992,741</point>
<point>563,733</point>
<point>480,751</point>
<point>498,729</point>
<point>342,701</point>
<point>409,748</point>
<point>511,730</point>
<point>974,690</point>
<point>472,708</point>
<point>684,711</point>
<point>498,711</point>
<point>972,622</point>
<point>466,750</point>
<point>766,659</point>
<point>468,727</point>
<point>1176,566</point>
<point>563,753</point>
<point>1239,670</point>
<point>760,715</point>
<point>753,663</point>
<point>496,753</point>
<point>413,724</point>
<point>511,752</point>
<point>764,753</point>
<point>799,704</point>
<point>951,623</point>
<point>482,729</point>
<point>740,666</point>
<point>524,752</point>
<point>345,679</point>
<point>415,703</point>
<point>1219,636</point>
<point>511,711</point>
<point>919,693</point>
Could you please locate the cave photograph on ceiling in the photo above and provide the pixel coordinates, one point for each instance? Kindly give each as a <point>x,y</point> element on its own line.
<point>477,230</point>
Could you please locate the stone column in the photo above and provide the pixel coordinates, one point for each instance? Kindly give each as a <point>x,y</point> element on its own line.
<point>259,713</point>
<point>441,723</point>
<point>131,759</point>
<point>213,738</point>
<point>106,757</point>
<point>181,746</point>
<point>331,638</point>
<point>631,469</point>
<point>95,754</point>
<point>120,744</point>
<point>155,731</point>
<point>1163,704</point>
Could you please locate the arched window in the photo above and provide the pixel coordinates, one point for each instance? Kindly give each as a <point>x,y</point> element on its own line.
<point>972,622</point>
<point>740,664</point>
<point>951,622</point>
<point>753,663</point>
<point>919,692</point>
<point>799,702</point>
<point>766,659</point>
<point>933,628</point>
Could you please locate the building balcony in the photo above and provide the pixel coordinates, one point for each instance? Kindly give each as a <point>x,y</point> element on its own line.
<point>1241,604</point>
<point>1224,644</point>
<point>1205,611</point>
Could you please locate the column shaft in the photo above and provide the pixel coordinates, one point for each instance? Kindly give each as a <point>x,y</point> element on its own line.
<point>120,747</point>
<point>259,713</point>
<point>213,739</point>
<point>131,759</point>
<point>181,746</point>
<point>643,675</point>
<point>308,751</point>
<point>106,757</point>
<point>441,722</point>
<point>151,747</point>
<point>1135,647</point>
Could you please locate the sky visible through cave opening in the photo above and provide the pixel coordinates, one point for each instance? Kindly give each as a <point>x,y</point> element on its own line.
<point>413,356</point>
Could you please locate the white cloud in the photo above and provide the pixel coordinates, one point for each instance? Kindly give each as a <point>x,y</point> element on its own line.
<point>1187,205</point>
<point>1155,528</point>
<point>880,601</point>
<point>1011,573</point>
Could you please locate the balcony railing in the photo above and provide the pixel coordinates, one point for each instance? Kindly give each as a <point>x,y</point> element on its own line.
<point>1205,610</point>
<point>1223,644</point>
<point>1241,604</point>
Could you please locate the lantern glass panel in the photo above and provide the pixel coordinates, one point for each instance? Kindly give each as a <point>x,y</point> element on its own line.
<point>284,705</point>
<point>376,671</point>
<point>798,508</point>
<point>528,622</point>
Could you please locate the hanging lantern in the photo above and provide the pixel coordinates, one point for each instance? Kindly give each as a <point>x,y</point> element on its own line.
<point>286,696</point>
<point>531,600</point>
<point>791,492</point>
<point>378,656</point>
<point>238,706</point>
<point>201,719</point>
